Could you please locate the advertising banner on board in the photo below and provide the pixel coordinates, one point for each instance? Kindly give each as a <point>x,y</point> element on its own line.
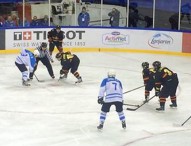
<point>186,44</point>
<point>2,40</point>
<point>98,38</point>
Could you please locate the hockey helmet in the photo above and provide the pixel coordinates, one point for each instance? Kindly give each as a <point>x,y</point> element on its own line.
<point>156,65</point>
<point>145,65</point>
<point>68,52</point>
<point>36,53</point>
<point>58,27</point>
<point>44,45</point>
<point>59,56</point>
<point>111,73</point>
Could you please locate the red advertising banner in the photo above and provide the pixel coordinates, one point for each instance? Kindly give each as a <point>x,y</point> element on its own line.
<point>186,43</point>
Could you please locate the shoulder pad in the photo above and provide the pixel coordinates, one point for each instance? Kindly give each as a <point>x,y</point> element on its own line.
<point>152,70</point>
<point>161,68</point>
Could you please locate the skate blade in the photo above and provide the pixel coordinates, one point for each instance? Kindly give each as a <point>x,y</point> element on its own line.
<point>177,125</point>
<point>100,130</point>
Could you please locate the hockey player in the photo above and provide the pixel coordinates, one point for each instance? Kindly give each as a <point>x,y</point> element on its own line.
<point>111,93</point>
<point>169,81</point>
<point>55,38</point>
<point>148,78</point>
<point>45,58</point>
<point>26,59</point>
<point>69,62</point>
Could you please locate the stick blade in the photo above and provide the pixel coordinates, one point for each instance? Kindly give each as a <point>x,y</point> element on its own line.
<point>131,105</point>
<point>131,109</point>
<point>177,125</point>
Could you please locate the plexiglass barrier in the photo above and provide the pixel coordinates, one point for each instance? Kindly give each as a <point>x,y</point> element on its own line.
<point>152,14</point>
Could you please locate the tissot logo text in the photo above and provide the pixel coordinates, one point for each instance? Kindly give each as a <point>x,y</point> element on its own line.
<point>30,35</point>
<point>17,35</point>
<point>26,35</point>
<point>42,35</point>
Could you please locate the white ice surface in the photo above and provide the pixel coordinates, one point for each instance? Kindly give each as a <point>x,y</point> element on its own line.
<point>61,113</point>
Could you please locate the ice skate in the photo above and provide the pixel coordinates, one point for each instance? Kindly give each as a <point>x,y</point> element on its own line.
<point>160,108</point>
<point>28,80</point>
<point>79,80</point>
<point>63,76</point>
<point>146,100</point>
<point>100,127</point>
<point>123,124</point>
<point>25,83</point>
<point>173,105</point>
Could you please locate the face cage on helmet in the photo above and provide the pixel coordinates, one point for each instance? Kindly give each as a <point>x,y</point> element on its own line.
<point>111,76</point>
<point>145,66</point>
<point>58,58</point>
<point>156,67</point>
<point>44,48</point>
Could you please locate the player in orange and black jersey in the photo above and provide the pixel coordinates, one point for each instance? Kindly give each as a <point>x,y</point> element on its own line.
<point>148,78</point>
<point>55,38</point>
<point>69,62</point>
<point>169,81</point>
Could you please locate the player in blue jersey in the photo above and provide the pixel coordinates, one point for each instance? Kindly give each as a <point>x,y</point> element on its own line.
<point>111,93</point>
<point>26,59</point>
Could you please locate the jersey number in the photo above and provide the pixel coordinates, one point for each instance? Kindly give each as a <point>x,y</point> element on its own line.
<point>115,85</point>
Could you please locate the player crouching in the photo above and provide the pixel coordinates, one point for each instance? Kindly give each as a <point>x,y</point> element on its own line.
<point>26,59</point>
<point>69,62</point>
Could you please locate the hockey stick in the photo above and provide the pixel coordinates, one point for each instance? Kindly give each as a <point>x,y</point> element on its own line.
<point>130,109</point>
<point>131,104</point>
<point>183,122</point>
<point>60,78</point>
<point>134,89</point>
<point>38,79</point>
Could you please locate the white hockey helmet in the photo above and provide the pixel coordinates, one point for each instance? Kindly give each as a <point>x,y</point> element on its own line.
<point>111,73</point>
<point>36,53</point>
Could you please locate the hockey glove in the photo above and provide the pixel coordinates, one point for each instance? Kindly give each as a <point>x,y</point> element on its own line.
<point>100,100</point>
<point>61,72</point>
<point>50,40</point>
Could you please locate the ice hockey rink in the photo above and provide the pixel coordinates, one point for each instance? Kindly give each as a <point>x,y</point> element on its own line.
<point>60,113</point>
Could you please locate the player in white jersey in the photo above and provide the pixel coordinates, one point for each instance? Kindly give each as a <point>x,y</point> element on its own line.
<point>111,93</point>
<point>25,59</point>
